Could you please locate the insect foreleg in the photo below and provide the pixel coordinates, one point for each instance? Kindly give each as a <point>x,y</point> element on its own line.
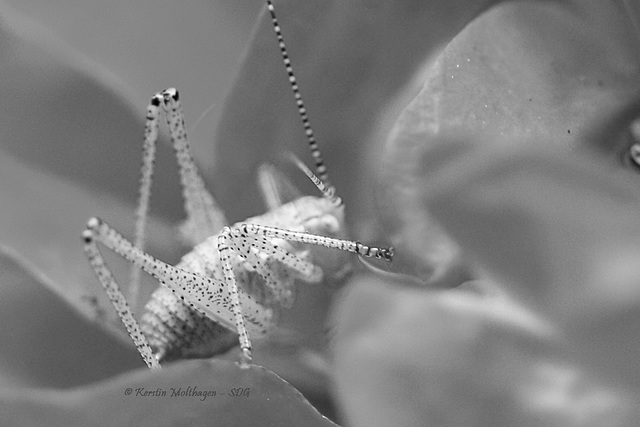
<point>270,247</point>
<point>263,254</point>
<point>329,242</point>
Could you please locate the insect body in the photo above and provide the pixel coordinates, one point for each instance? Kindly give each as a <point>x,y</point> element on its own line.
<point>175,333</point>
<point>227,287</point>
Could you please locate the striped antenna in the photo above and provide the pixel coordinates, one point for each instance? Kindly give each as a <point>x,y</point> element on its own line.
<point>321,169</point>
<point>327,192</point>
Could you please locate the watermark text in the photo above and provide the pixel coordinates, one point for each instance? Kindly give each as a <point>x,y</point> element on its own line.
<point>186,392</point>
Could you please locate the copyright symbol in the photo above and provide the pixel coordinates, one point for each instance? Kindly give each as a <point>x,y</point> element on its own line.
<point>128,391</point>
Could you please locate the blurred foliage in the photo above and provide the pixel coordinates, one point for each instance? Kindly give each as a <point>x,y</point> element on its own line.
<point>493,165</point>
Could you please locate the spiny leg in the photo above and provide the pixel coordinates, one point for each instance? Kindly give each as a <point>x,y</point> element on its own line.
<point>245,237</point>
<point>204,217</point>
<point>232,287</point>
<point>226,243</point>
<point>209,297</point>
<point>144,192</point>
<point>118,299</point>
<point>329,242</point>
<point>242,243</point>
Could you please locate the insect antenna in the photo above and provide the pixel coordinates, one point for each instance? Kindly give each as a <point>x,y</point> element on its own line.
<point>321,170</point>
<point>327,191</point>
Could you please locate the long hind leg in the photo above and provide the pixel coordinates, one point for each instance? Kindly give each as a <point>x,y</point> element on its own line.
<point>204,216</point>
<point>118,299</point>
<point>221,302</point>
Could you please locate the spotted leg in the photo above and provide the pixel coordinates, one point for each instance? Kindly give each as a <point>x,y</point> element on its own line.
<point>329,242</point>
<point>241,239</point>
<point>214,299</point>
<point>204,216</point>
<point>262,253</point>
<point>250,240</point>
<point>118,299</point>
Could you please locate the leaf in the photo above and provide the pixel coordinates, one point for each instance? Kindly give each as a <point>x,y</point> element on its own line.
<point>561,352</point>
<point>146,48</point>
<point>70,149</point>
<point>406,357</point>
<point>70,116</point>
<point>252,396</point>
<point>526,72</point>
<point>46,341</point>
<point>544,69</point>
<point>558,230</point>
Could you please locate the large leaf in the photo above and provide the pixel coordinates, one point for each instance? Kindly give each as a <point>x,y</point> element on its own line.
<point>549,336</point>
<point>49,345</point>
<point>148,47</point>
<point>406,357</point>
<point>181,394</point>
<point>46,342</point>
<point>559,230</point>
<point>524,71</point>
<point>70,149</point>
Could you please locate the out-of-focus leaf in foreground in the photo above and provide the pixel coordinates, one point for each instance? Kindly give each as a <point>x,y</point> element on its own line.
<point>546,337</point>
<point>524,71</point>
<point>496,149</point>
<point>561,232</point>
<point>253,396</point>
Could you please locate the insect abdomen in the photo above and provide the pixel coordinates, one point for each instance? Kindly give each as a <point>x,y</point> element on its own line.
<point>175,331</point>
